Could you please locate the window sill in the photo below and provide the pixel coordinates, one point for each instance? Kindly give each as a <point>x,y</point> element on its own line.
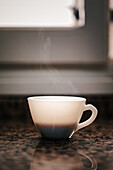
<point>79,80</point>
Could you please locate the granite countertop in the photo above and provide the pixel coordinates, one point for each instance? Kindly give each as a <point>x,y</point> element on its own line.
<point>21,148</point>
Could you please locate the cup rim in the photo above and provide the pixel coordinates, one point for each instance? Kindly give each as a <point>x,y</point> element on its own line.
<point>56,98</point>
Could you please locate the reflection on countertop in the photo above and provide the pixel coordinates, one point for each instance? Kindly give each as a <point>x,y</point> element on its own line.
<point>22,149</point>
<point>61,154</point>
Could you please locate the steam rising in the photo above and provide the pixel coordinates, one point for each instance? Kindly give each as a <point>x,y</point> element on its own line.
<point>58,81</point>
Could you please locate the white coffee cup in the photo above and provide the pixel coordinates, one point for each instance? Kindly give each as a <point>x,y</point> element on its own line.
<point>58,117</point>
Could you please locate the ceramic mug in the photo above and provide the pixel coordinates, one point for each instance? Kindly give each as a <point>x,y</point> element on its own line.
<point>58,117</point>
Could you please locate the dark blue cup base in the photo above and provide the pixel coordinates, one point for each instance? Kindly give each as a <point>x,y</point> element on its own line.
<point>55,132</point>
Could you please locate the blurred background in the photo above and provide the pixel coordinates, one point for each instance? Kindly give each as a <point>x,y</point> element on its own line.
<point>74,61</point>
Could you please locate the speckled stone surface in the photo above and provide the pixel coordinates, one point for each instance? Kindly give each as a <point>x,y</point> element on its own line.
<point>21,148</point>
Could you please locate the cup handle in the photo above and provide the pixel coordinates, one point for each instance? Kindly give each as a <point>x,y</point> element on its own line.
<point>91,119</point>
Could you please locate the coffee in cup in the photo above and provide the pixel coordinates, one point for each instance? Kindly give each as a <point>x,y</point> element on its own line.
<point>58,117</point>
